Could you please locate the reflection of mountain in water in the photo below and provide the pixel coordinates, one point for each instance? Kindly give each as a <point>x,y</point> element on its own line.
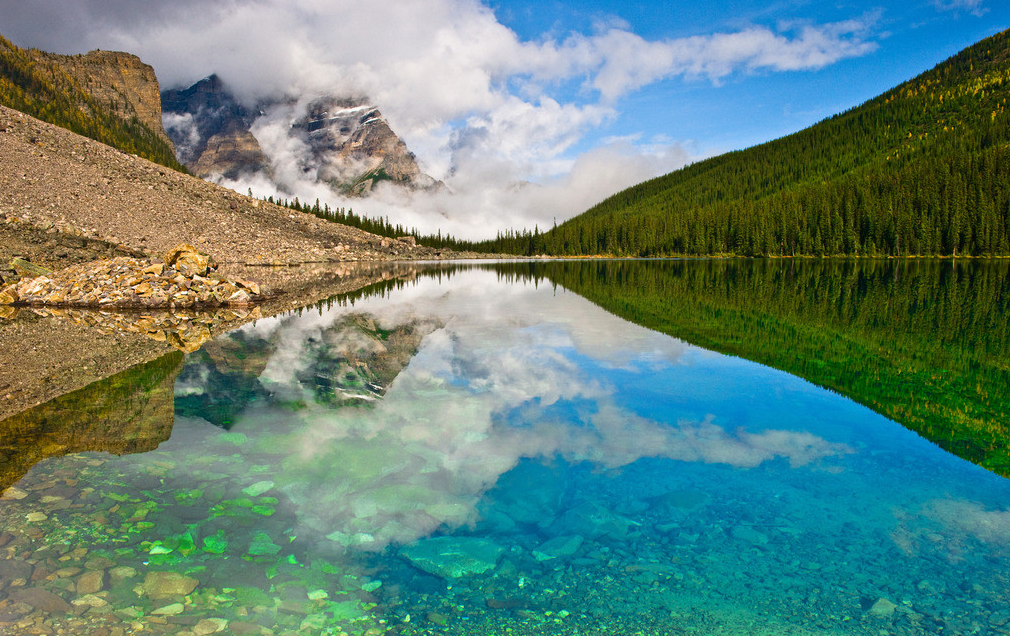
<point>131,412</point>
<point>351,361</point>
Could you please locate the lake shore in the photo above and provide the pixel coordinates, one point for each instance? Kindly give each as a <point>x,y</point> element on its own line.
<point>49,352</point>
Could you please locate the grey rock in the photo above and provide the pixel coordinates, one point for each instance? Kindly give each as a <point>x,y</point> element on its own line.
<point>558,547</point>
<point>453,557</point>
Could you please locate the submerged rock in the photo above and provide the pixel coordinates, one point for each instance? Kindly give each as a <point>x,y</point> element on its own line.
<point>159,585</point>
<point>558,547</point>
<point>453,557</point>
<point>882,607</point>
<point>592,520</point>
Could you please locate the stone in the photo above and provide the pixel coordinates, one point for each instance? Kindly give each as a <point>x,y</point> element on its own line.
<point>24,268</point>
<point>159,585</point>
<point>40,599</point>
<point>248,284</point>
<point>172,609</point>
<point>188,261</point>
<point>9,295</point>
<point>746,533</point>
<point>558,547</point>
<point>91,582</point>
<point>453,557</point>
<point>122,572</point>
<point>209,626</point>
<point>89,600</point>
<point>14,493</point>
<point>34,517</point>
<point>592,520</point>
<point>99,563</point>
<point>258,488</point>
<point>409,240</point>
<point>882,607</point>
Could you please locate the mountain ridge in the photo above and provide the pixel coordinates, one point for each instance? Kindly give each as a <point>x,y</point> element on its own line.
<point>111,97</point>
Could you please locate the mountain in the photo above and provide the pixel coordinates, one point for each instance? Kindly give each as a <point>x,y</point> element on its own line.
<point>110,97</point>
<point>346,142</point>
<point>923,169</point>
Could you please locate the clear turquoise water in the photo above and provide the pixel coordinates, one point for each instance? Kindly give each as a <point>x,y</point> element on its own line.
<point>469,455</point>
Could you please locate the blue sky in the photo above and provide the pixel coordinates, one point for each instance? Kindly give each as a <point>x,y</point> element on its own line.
<point>751,107</point>
<point>528,111</point>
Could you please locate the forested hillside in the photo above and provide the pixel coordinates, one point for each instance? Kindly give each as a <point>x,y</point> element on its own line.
<point>38,86</point>
<point>923,169</point>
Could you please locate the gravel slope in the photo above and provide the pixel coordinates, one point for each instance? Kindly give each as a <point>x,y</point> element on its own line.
<point>57,180</point>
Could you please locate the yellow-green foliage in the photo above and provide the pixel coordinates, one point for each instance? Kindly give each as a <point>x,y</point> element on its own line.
<point>43,90</point>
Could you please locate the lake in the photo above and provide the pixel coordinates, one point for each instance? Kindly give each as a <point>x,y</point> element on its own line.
<point>526,448</point>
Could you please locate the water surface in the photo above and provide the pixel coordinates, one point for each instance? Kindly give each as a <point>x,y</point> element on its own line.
<point>481,453</point>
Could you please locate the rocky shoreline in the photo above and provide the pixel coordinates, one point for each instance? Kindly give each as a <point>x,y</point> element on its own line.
<point>183,279</point>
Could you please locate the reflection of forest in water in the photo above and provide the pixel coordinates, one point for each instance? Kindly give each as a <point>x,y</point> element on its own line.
<point>129,412</point>
<point>925,343</point>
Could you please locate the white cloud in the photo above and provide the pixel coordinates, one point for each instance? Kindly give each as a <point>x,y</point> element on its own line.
<point>481,107</point>
<point>973,7</point>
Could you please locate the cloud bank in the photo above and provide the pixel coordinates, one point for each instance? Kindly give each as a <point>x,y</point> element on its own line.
<point>484,109</point>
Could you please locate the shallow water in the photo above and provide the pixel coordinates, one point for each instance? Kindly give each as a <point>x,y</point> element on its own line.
<point>473,454</point>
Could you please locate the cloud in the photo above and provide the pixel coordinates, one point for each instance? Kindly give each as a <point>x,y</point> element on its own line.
<point>973,7</point>
<point>483,109</point>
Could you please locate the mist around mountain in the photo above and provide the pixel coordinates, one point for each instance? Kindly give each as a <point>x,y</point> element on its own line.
<point>343,142</point>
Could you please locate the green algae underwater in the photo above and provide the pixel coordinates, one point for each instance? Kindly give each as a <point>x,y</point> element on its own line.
<point>485,451</point>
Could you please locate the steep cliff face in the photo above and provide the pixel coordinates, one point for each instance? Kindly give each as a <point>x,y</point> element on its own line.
<point>343,142</point>
<point>195,115</point>
<point>110,97</point>
<point>121,81</point>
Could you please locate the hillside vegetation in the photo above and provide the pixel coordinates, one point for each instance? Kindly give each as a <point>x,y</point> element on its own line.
<point>33,83</point>
<point>923,169</point>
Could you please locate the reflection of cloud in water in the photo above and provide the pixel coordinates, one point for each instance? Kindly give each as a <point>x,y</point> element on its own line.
<point>447,428</point>
<point>970,518</point>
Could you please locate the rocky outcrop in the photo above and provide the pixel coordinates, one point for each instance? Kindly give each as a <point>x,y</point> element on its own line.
<point>349,144</point>
<point>231,154</point>
<point>183,280</point>
<point>353,148</point>
<point>204,111</point>
<point>119,80</point>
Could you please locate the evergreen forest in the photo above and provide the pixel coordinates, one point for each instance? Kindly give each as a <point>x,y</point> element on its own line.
<point>37,86</point>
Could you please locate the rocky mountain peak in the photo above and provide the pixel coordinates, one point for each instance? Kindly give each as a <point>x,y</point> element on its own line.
<point>348,144</point>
